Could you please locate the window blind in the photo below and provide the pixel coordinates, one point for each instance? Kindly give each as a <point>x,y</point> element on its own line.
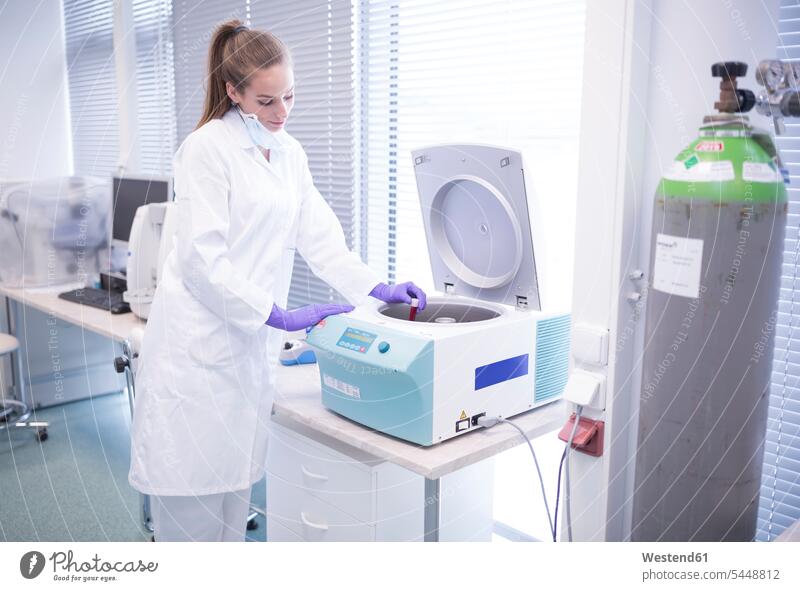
<point>193,25</point>
<point>779,504</point>
<point>88,28</point>
<point>320,36</point>
<point>155,83</point>
<point>507,73</point>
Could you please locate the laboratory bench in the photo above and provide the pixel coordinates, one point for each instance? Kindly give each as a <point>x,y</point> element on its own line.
<point>330,478</point>
<point>116,327</point>
<point>333,479</point>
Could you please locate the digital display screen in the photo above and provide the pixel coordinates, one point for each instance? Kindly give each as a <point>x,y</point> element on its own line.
<point>356,340</point>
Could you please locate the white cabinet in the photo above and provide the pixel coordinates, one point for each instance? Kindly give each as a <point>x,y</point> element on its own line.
<point>277,533</point>
<point>322,490</point>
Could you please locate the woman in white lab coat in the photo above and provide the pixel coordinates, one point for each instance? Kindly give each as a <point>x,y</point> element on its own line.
<point>245,200</point>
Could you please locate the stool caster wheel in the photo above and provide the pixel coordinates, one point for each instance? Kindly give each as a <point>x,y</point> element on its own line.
<point>41,434</point>
<point>252,524</point>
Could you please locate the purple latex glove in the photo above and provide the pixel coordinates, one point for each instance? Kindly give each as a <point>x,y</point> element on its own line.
<point>399,294</point>
<point>300,318</point>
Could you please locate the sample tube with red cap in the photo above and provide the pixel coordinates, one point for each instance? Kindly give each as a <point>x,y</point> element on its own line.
<point>413,313</point>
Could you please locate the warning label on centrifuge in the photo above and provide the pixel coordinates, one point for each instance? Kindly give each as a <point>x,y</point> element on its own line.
<point>340,386</point>
<point>678,263</point>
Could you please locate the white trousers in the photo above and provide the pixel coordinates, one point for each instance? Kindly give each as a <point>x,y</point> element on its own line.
<point>207,518</point>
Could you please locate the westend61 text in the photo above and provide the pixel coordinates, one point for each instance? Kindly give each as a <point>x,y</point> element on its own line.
<point>691,557</point>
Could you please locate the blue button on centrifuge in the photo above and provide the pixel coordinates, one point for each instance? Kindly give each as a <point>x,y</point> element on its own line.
<point>383,346</point>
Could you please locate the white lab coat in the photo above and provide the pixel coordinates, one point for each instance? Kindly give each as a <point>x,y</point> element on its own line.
<point>206,371</point>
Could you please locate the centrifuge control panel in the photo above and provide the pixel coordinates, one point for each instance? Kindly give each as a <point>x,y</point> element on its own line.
<point>356,340</point>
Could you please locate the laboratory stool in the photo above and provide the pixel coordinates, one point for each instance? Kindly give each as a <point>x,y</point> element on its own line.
<point>15,413</point>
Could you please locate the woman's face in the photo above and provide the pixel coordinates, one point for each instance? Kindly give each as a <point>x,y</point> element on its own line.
<point>269,94</point>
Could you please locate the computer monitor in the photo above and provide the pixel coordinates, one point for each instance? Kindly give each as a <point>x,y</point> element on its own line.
<point>130,193</point>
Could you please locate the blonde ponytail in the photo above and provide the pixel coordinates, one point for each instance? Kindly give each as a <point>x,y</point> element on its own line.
<point>235,53</point>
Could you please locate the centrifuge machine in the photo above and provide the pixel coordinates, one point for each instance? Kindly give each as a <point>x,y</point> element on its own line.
<point>482,346</point>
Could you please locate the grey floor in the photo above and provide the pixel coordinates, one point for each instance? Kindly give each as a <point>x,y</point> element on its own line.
<point>74,486</point>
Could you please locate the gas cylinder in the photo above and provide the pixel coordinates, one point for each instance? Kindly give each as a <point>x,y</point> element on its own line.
<point>715,267</point>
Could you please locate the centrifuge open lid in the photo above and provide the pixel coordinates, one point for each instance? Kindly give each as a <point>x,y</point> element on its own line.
<point>475,212</point>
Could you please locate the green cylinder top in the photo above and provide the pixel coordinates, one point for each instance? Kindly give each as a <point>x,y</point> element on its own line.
<point>730,162</point>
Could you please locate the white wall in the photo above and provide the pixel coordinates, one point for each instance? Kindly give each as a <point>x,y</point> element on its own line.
<point>34,114</point>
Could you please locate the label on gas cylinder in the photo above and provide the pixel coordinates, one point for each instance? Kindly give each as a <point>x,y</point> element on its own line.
<point>709,147</point>
<point>692,169</point>
<point>678,263</point>
<point>761,172</point>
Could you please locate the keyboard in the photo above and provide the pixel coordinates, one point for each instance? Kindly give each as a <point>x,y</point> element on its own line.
<point>97,298</point>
